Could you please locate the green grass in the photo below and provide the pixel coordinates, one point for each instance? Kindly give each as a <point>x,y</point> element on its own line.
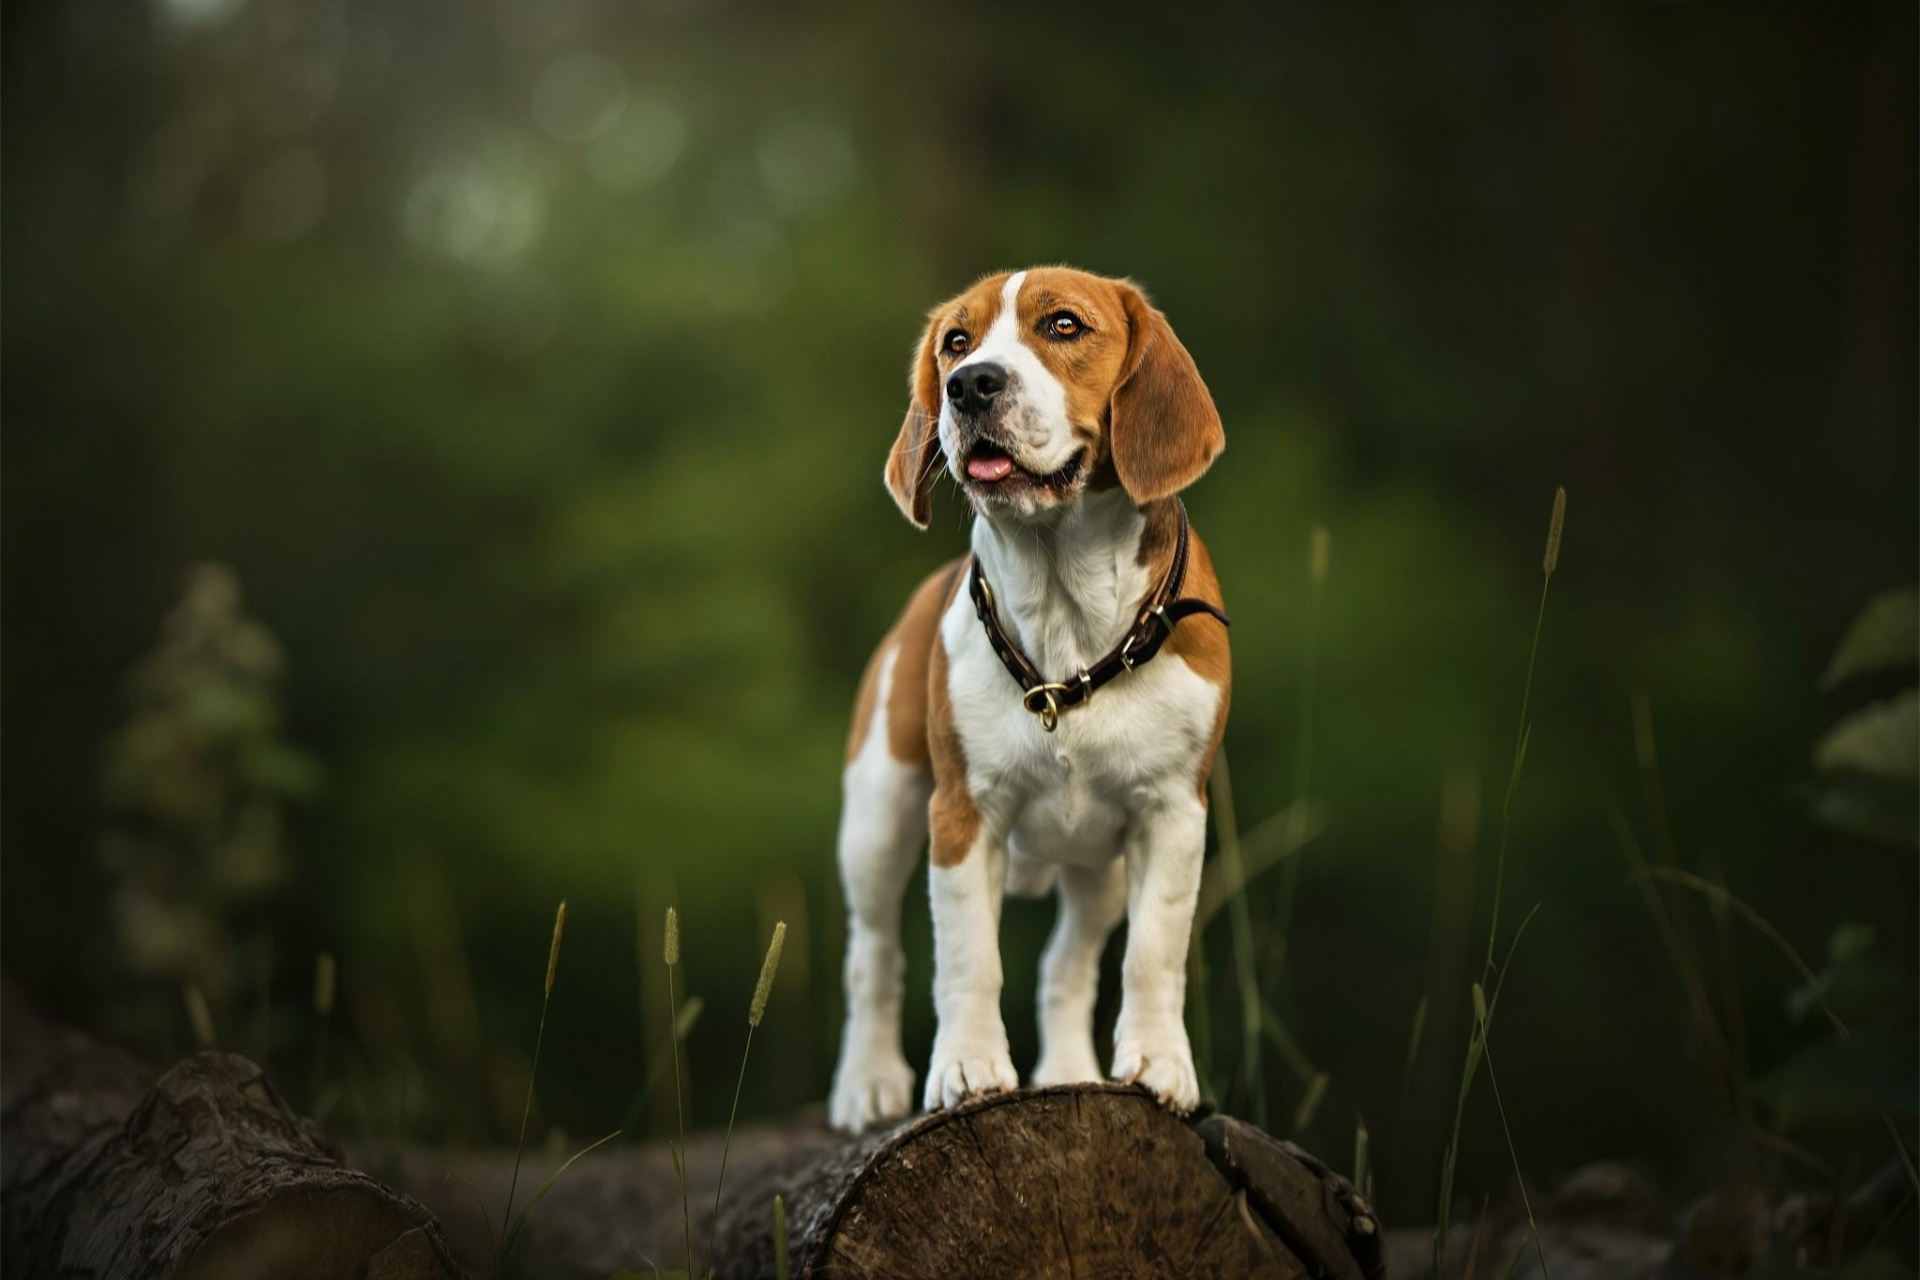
<point>1227,829</point>
<point>511,1225</point>
<point>1477,1041</point>
<point>755,1011</point>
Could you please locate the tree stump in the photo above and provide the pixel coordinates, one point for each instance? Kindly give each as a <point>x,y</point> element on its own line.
<point>1083,1180</point>
<point>206,1174</point>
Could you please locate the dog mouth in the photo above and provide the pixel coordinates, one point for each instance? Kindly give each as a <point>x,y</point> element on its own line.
<point>991,468</point>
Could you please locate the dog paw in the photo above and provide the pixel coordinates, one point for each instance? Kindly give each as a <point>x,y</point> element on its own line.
<point>1064,1066</point>
<point>960,1072</point>
<point>1165,1070</point>
<point>867,1093</point>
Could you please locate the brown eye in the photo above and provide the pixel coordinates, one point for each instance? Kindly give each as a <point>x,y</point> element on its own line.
<point>1064,324</point>
<point>958,342</point>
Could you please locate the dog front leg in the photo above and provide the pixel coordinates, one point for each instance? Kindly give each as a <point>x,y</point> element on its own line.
<point>965,883</point>
<point>1150,1045</point>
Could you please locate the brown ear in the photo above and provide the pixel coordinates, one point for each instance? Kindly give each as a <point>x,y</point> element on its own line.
<point>1163,430</point>
<point>916,460</point>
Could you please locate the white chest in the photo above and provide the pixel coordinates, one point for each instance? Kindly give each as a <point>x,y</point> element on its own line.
<point>1072,795</point>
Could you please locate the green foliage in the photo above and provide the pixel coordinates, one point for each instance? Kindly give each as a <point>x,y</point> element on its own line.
<point>1885,636</point>
<point>196,782</point>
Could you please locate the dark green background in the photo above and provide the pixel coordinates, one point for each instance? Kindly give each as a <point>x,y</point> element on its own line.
<point>563,496</point>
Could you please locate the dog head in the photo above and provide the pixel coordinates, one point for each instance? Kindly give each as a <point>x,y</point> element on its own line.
<point>1032,387</point>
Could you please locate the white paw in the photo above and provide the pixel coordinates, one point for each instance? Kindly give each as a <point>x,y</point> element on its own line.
<point>963,1071</point>
<point>1164,1065</point>
<point>1066,1066</point>
<point>872,1090</point>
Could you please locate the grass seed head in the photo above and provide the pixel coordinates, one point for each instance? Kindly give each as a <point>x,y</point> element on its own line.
<point>1319,552</point>
<point>769,967</point>
<point>553,951</point>
<point>323,983</point>
<point>1551,560</point>
<point>672,948</point>
<point>1479,1004</point>
<point>199,1015</point>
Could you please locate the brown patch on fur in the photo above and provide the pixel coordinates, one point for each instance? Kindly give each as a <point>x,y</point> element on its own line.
<point>915,633</point>
<point>1199,640</point>
<point>1164,431</point>
<point>1091,366</point>
<point>916,461</point>
<point>863,701</point>
<point>919,630</point>
<point>952,820</point>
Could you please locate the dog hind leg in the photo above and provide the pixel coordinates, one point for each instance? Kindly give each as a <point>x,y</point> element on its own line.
<point>1092,901</point>
<point>883,826</point>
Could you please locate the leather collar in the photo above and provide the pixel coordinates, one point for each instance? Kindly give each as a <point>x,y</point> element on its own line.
<point>1164,608</point>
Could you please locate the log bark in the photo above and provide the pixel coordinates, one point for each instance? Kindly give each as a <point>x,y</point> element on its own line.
<point>1087,1180</point>
<point>203,1174</point>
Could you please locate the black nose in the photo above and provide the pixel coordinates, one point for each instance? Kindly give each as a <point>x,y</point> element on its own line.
<point>973,388</point>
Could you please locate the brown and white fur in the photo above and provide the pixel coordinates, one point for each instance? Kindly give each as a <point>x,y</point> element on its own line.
<point>1070,416</point>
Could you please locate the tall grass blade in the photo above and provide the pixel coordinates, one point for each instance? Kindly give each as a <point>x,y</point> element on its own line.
<point>1310,1102</point>
<point>1319,563</point>
<point>1414,1036</point>
<point>1523,734</point>
<point>520,1222</point>
<point>1484,1009</point>
<point>533,1075</point>
<point>486,1219</point>
<point>682,1025</point>
<point>1526,1201</point>
<point>1549,562</point>
<point>1276,839</point>
<point>671,953</point>
<point>1288,1048</point>
<point>769,967</point>
<point>1512,1263</point>
<point>1226,826</point>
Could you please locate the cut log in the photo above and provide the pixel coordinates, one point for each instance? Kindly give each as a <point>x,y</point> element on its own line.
<point>204,1174</point>
<point>1087,1180</point>
<point>207,1174</point>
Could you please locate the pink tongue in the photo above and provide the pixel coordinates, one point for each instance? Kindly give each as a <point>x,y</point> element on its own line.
<point>989,468</point>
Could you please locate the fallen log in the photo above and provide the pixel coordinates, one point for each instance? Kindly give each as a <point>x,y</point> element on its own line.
<point>202,1174</point>
<point>1078,1180</point>
<point>206,1174</point>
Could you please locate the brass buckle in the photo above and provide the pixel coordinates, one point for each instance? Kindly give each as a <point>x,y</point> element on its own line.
<point>1048,705</point>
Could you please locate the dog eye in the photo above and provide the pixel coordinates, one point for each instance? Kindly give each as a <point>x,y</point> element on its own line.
<point>1064,324</point>
<point>957,342</point>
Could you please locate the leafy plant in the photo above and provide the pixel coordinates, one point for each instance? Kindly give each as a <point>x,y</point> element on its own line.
<point>196,783</point>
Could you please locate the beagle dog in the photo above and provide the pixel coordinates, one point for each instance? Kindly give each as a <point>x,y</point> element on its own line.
<point>1046,711</point>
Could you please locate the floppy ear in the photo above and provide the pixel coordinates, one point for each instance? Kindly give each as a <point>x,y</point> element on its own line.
<point>917,457</point>
<point>1163,430</point>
